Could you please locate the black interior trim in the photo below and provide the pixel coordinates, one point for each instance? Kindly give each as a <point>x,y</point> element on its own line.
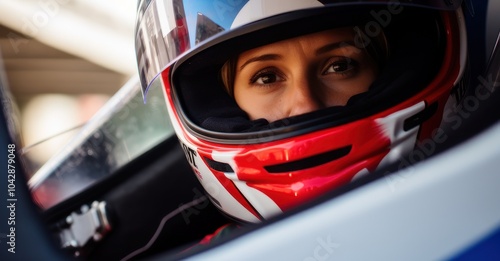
<point>420,117</point>
<point>219,166</point>
<point>309,162</point>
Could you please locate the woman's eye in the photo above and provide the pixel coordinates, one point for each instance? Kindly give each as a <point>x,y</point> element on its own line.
<point>266,77</point>
<point>340,66</point>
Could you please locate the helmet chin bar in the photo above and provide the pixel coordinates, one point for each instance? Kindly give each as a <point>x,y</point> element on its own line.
<point>250,183</point>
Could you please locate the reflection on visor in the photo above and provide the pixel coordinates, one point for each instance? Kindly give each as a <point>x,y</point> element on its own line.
<point>161,35</point>
<point>167,28</point>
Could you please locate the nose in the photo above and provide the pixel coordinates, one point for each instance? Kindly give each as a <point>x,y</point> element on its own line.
<point>304,98</point>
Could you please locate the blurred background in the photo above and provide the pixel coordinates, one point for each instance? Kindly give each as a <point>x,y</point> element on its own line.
<point>63,60</point>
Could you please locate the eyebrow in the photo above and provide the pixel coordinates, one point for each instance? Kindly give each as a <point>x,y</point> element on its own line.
<point>334,46</point>
<point>265,57</point>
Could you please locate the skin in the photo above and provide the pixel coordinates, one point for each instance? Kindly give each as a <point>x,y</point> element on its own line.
<point>302,74</point>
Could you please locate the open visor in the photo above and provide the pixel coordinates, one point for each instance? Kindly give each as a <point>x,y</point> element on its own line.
<point>166,29</point>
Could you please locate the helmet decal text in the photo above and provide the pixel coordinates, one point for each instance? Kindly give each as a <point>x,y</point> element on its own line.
<point>190,154</point>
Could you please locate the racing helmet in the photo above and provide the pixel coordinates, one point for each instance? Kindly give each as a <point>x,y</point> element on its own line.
<point>253,169</point>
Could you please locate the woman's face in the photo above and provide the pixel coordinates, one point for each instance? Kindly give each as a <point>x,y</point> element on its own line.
<point>302,74</point>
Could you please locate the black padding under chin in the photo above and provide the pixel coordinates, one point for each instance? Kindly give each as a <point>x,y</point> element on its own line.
<point>415,57</point>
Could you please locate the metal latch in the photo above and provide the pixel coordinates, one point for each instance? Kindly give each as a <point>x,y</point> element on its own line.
<point>82,228</point>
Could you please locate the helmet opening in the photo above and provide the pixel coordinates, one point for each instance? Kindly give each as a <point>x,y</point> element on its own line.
<point>415,56</point>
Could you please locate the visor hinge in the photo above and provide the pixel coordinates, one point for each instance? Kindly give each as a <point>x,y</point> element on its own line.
<point>83,228</point>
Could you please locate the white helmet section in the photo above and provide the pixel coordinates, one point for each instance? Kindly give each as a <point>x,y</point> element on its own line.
<point>260,201</point>
<point>264,205</point>
<point>217,191</point>
<point>257,9</point>
<point>402,141</point>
